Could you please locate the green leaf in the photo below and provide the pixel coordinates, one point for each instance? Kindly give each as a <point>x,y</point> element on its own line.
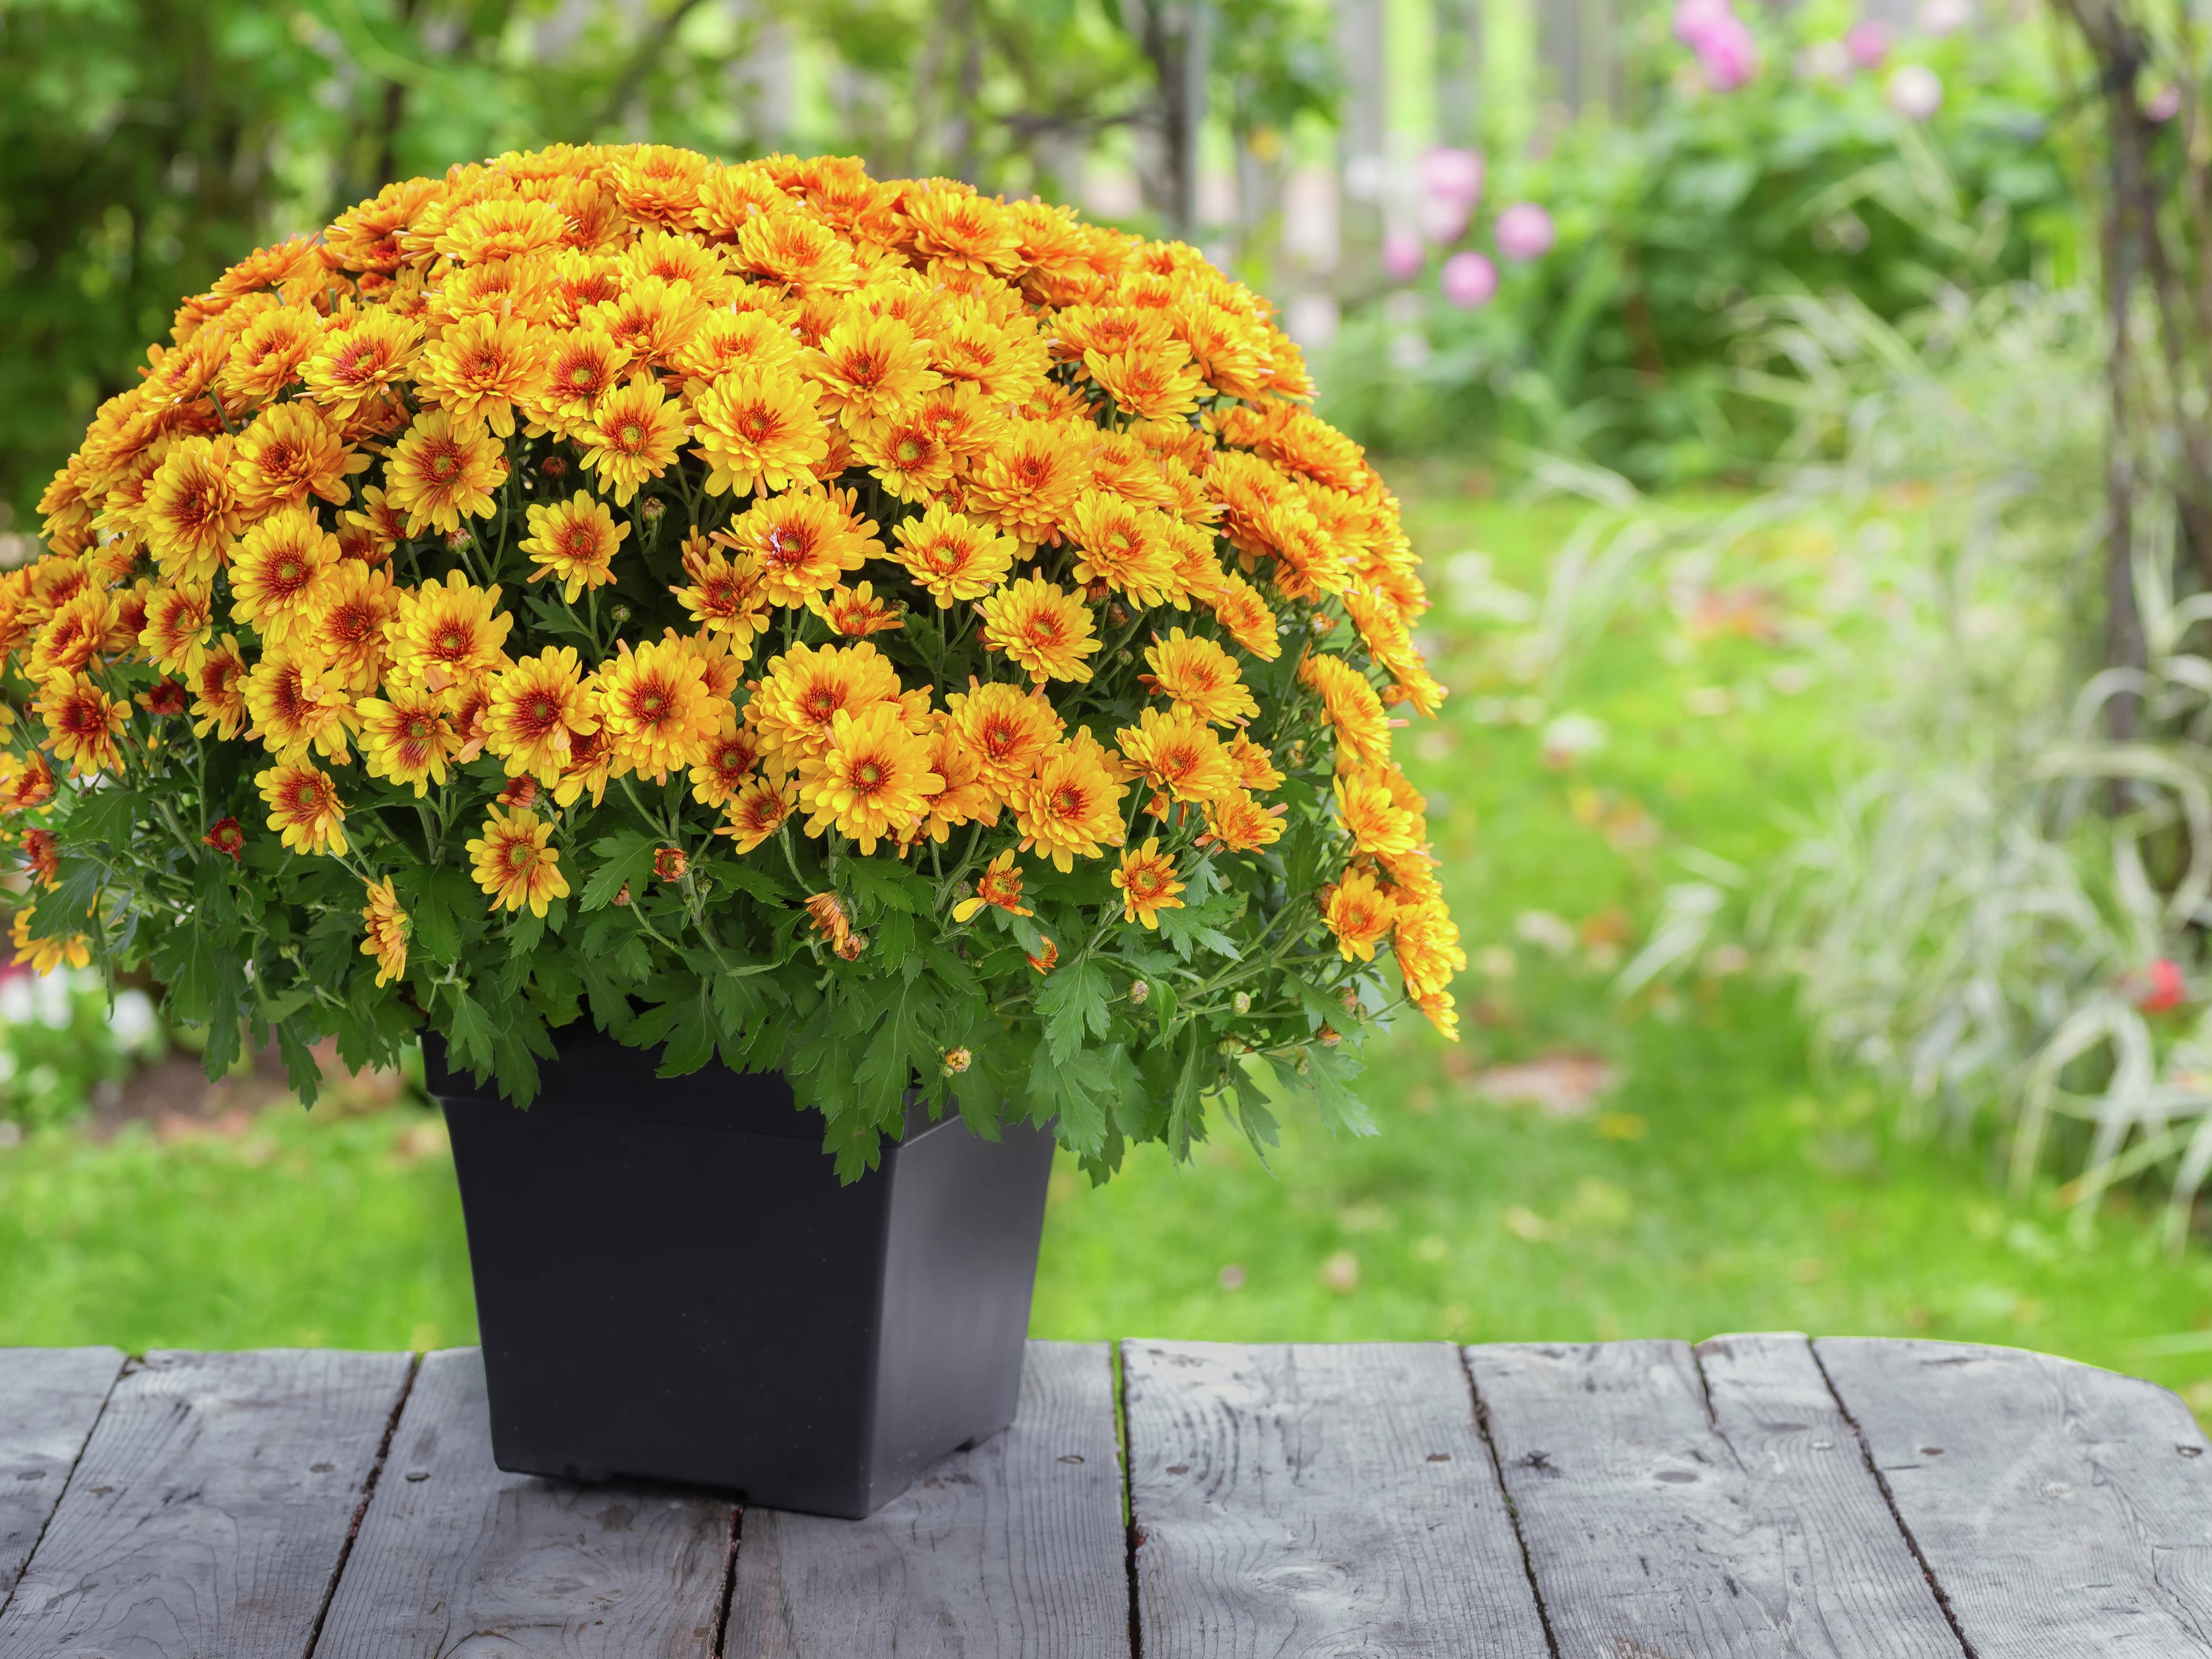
<point>887,883</point>
<point>472,1036</point>
<point>1072,1000</point>
<point>1198,926</point>
<point>625,858</point>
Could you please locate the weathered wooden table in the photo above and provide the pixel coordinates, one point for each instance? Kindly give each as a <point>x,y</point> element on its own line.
<point>1755,1495</point>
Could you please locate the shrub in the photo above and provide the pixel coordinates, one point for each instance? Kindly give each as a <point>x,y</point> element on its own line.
<point>747,607</point>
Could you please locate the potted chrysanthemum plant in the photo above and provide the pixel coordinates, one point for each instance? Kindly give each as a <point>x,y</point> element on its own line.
<point>827,686</point>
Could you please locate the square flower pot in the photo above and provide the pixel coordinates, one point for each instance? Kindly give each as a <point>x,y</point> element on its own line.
<point>672,1284</point>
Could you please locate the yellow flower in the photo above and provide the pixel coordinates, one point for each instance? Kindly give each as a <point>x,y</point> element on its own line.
<point>1369,812</point>
<point>758,811</point>
<point>633,435</point>
<point>81,723</point>
<point>871,370</point>
<point>292,450</point>
<point>758,430</point>
<point>582,365</point>
<point>358,602</point>
<point>479,369</point>
<point>1238,824</point>
<point>1175,750</point>
<point>359,356</point>
<point>1154,383</point>
<point>447,634</point>
<point>1030,477</point>
<point>191,509</point>
<point>219,691</point>
<point>873,781</point>
<point>1442,1010</point>
<point>441,470</point>
<point>952,556</point>
<point>805,539</point>
<point>304,806</point>
<point>1426,943</point>
<point>1007,728</point>
<point>539,709</point>
<point>1147,882</point>
<point>1072,804</point>
<point>180,622</point>
<point>514,864</point>
<point>1255,767</point>
<point>1360,913</point>
<point>388,928</point>
<point>1353,710</point>
<point>657,710</point>
<point>1000,885</point>
<point>728,340</point>
<point>45,954</point>
<point>1121,546</point>
<point>721,771</point>
<point>406,736</point>
<point>1043,627</point>
<point>501,227</point>
<point>297,709</point>
<point>574,540</point>
<point>279,573</point>
<point>727,597</point>
<point>806,688</point>
<point>855,612</point>
<point>1199,676</point>
<point>72,637</point>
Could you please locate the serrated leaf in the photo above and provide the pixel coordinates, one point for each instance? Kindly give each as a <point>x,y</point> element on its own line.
<point>624,860</point>
<point>886,883</point>
<point>1197,926</point>
<point>1072,1001</point>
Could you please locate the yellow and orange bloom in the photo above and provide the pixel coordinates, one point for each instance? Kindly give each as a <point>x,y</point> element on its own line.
<point>219,691</point>
<point>853,613</point>
<point>1148,883</point>
<point>1238,823</point>
<point>515,863</point>
<point>805,539</point>
<point>953,557</point>
<point>632,435</point>
<point>1360,913</point>
<point>1072,806</point>
<point>538,709</point>
<point>291,450</point>
<point>191,509</point>
<point>1172,749</point>
<point>442,472</point>
<point>280,574</point>
<point>809,686</point>
<point>873,782</point>
<point>407,736</point>
<point>999,887</point>
<point>758,810</point>
<point>1043,627</point>
<point>179,623</point>
<point>388,926</point>
<point>872,370</point>
<point>657,710</point>
<point>300,707</point>
<point>480,368</point>
<point>45,954</point>
<point>304,807</point>
<point>1007,728</point>
<point>82,723</point>
<point>758,430</point>
<point>727,597</point>
<point>574,542</point>
<point>450,634</point>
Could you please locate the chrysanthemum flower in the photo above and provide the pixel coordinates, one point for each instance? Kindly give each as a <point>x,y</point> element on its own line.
<point>42,857</point>
<point>855,612</point>
<point>1175,750</point>
<point>1256,766</point>
<point>726,761</point>
<point>479,369</point>
<point>1354,712</point>
<point>808,686</point>
<point>1046,959</point>
<point>298,708</point>
<point>501,227</point>
<point>1198,675</point>
<point>1148,883</point>
<point>371,533</point>
<point>360,355</point>
<point>805,539</point>
<point>304,807</point>
<point>227,836</point>
<point>406,736</point>
<point>1072,804</point>
<point>291,450</point>
<point>998,886</point>
<point>801,254</point>
<point>1243,615</point>
<point>1043,627</point>
<point>632,436</point>
<point>728,340</point>
<point>830,919</point>
<point>1121,546</point>
<point>1154,384</point>
<point>656,708</point>
<point>582,365</point>
<point>388,926</point>
<point>871,370</point>
<point>951,556</point>
<point>574,541</point>
<point>539,709</point>
<point>1376,823</point>
<point>590,760</point>
<point>1359,915</point>
<point>280,574</point>
<point>72,636</point>
<point>26,781</point>
<point>45,954</point>
<point>82,723</point>
<point>1007,728</point>
<point>514,864</point>
<point>1238,824</point>
<point>191,509</point>
<point>651,318</point>
<point>966,797</point>
<point>219,691</point>
<point>726,597</point>
<point>442,469</point>
<point>873,782</point>
<point>1031,477</point>
<point>180,622</point>
<point>268,357</point>
<point>908,457</point>
<point>447,634</point>
<point>758,430</point>
<point>358,601</point>
<point>1426,945</point>
<point>758,811</point>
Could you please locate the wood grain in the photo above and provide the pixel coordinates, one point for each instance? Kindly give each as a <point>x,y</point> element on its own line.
<point>1012,1550</point>
<point>1656,1526</point>
<point>2063,1510</point>
<point>1312,1499</point>
<point>208,1511</point>
<point>49,1400</point>
<point>455,1557</point>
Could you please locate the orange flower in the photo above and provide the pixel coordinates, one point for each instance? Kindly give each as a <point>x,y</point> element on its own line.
<point>1031,478</point>
<point>72,638</point>
<point>501,227</point>
<point>193,510</point>
<point>406,736</point>
<point>1121,546</point>
<point>1238,824</point>
<point>1353,710</point>
<point>26,781</point>
<point>358,602</point>
<point>872,370</point>
<point>388,926</point>
<point>292,450</point>
<point>1043,627</point>
<point>179,621</point>
<point>1007,728</point>
<point>1255,767</point>
<point>1000,886</point>
<point>45,954</point>
<point>1154,384</point>
<point>304,808</point>
<point>758,430</point>
<point>805,539</point>
<point>448,634</point>
<point>1148,883</point>
<point>826,911</point>
<point>480,368</point>
<point>219,685</point>
<point>907,455</point>
<point>297,709</point>
<point>1359,915</point>
<point>280,574</point>
<point>952,556</point>
<point>758,811</point>
<point>873,781</point>
<point>1426,945</point>
<point>582,366</point>
<point>726,597</point>
<point>575,541</point>
<point>1371,815</point>
<point>799,253</point>
<point>1244,615</point>
<point>539,709</point>
<point>730,756</point>
<point>227,836</point>
<point>1176,751</point>
<point>513,863</point>
<point>855,612</point>
<point>360,355</point>
<point>1199,676</point>
<point>633,435</point>
<point>657,710</point>
<point>1046,959</point>
<point>81,723</point>
<point>441,471</point>
<point>1073,806</point>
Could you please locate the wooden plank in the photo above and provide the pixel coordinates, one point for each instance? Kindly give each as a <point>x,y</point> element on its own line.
<point>208,1512</point>
<point>2062,1510</point>
<point>1654,1526</point>
<point>1014,1548</point>
<point>1317,1499</point>
<point>49,1400</point>
<point>453,1554</point>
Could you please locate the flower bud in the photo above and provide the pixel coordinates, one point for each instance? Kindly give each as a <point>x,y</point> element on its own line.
<point>1117,615</point>
<point>1305,1063</point>
<point>851,945</point>
<point>654,509</point>
<point>620,613</point>
<point>1122,655</point>
<point>1350,997</point>
<point>553,467</point>
<point>459,540</point>
<point>622,898</point>
<point>958,1061</point>
<point>1242,1002</point>
<point>1139,992</point>
<point>669,863</point>
<point>1329,1036</point>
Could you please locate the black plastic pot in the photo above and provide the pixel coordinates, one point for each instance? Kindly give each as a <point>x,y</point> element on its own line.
<point>671,1283</point>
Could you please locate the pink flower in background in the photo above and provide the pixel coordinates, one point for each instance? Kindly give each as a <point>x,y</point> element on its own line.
<point>1728,54</point>
<point>1941,17</point>
<point>1401,254</point>
<point>2166,988</point>
<point>1695,19</point>
<point>1525,232</point>
<point>2164,104</point>
<point>1451,185</point>
<point>1469,280</point>
<point>1916,92</point>
<point>1869,43</point>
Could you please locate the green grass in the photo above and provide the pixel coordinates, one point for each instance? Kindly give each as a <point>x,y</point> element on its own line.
<point>1724,1183</point>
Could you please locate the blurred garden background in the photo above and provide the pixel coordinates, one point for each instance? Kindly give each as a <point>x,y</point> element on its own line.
<point>1802,411</point>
